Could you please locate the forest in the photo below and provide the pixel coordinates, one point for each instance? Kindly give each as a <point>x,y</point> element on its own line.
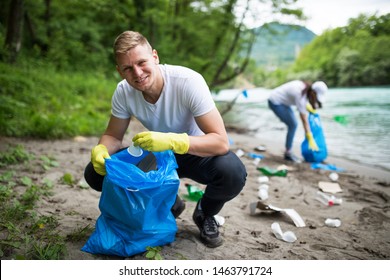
<point>57,71</point>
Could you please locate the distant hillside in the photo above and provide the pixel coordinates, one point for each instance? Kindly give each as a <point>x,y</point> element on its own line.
<point>278,44</point>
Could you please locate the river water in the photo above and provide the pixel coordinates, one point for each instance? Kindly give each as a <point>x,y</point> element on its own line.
<point>356,121</point>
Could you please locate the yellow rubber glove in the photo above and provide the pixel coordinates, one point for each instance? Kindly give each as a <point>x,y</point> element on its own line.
<point>159,141</point>
<point>312,143</point>
<point>310,108</point>
<point>98,154</point>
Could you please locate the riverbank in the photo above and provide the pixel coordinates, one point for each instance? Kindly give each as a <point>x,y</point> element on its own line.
<point>364,211</point>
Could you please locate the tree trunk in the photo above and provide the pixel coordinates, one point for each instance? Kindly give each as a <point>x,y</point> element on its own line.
<point>13,41</point>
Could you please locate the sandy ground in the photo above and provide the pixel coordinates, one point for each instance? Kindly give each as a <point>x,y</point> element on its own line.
<point>364,212</point>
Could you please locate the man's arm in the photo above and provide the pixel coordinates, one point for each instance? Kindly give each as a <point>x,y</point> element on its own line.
<point>215,141</point>
<point>113,136</point>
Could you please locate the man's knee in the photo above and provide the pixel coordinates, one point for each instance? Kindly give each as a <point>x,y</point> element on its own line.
<point>233,174</point>
<point>93,179</point>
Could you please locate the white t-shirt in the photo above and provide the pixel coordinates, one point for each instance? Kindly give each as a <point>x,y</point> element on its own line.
<point>185,95</point>
<point>290,94</point>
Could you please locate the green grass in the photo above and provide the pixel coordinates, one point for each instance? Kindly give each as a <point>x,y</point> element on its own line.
<point>25,233</point>
<point>38,101</point>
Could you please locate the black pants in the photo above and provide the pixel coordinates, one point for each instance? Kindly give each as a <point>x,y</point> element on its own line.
<point>224,177</point>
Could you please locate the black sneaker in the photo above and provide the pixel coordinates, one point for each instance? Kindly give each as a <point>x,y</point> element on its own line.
<point>292,157</point>
<point>208,227</point>
<point>178,207</point>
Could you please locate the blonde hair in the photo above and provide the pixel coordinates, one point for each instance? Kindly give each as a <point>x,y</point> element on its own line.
<point>128,40</point>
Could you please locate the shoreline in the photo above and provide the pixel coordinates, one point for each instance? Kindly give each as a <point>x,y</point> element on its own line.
<point>276,149</point>
<point>364,212</point>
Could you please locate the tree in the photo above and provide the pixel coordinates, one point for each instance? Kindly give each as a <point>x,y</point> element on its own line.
<point>205,35</point>
<point>13,41</point>
<point>354,55</point>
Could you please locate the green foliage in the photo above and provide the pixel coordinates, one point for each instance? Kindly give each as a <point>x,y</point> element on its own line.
<point>153,253</point>
<point>48,162</point>
<point>15,155</point>
<point>68,179</point>
<point>354,55</point>
<point>51,104</point>
<point>25,234</point>
<point>80,234</point>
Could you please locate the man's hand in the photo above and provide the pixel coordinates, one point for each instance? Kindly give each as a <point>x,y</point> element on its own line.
<point>312,143</point>
<point>159,141</point>
<point>98,155</point>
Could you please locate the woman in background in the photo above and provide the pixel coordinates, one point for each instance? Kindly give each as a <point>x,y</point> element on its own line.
<point>306,97</point>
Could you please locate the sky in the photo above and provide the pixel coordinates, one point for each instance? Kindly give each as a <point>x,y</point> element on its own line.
<point>322,14</point>
<point>326,14</point>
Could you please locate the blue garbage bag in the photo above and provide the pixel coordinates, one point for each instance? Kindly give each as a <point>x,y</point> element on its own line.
<point>135,206</point>
<point>318,135</point>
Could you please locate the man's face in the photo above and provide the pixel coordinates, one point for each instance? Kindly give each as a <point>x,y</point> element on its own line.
<point>139,67</point>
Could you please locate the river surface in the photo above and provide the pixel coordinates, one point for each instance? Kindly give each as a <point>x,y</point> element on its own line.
<point>356,121</point>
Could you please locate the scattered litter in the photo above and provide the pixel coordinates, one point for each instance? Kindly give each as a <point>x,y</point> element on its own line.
<point>240,153</point>
<point>219,219</point>
<point>80,139</point>
<point>342,119</point>
<point>334,176</point>
<point>273,172</point>
<point>329,187</point>
<point>263,179</point>
<point>83,184</point>
<point>285,167</point>
<point>260,149</point>
<point>294,216</point>
<point>135,151</point>
<point>194,193</point>
<point>328,200</point>
<point>325,167</point>
<point>263,192</point>
<point>256,161</point>
<point>287,236</point>
<point>333,222</point>
<point>257,158</point>
<point>253,155</point>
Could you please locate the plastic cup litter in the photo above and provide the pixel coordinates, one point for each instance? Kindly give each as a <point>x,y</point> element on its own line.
<point>263,192</point>
<point>332,222</point>
<point>135,151</point>
<point>334,176</point>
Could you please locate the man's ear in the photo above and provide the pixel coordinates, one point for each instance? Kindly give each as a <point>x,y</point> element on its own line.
<point>119,71</point>
<point>155,56</point>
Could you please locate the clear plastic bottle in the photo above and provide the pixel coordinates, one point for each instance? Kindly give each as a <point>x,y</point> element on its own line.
<point>328,200</point>
<point>263,192</point>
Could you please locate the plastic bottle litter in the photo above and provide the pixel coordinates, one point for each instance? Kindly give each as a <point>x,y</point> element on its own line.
<point>240,153</point>
<point>256,161</point>
<point>219,219</point>
<point>273,172</point>
<point>194,193</point>
<point>253,155</point>
<point>135,151</point>
<point>334,176</point>
<point>263,192</point>
<point>332,222</point>
<point>260,148</point>
<point>263,179</point>
<point>328,200</point>
<point>287,236</point>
